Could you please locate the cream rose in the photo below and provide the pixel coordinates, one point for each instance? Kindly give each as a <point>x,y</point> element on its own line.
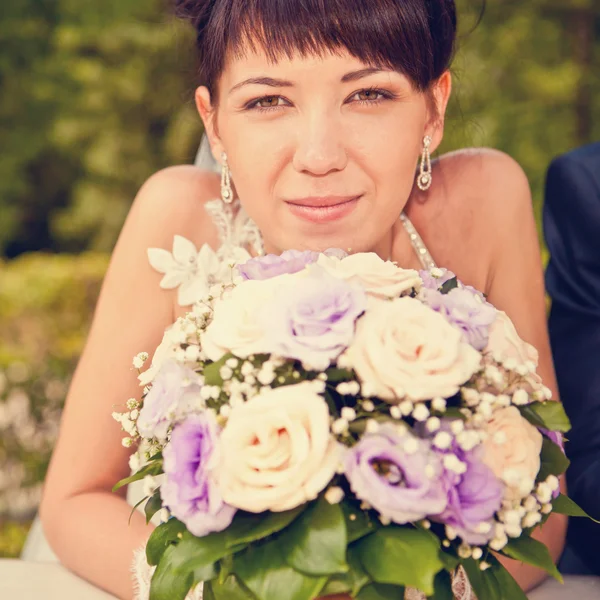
<point>405,349</point>
<point>512,451</point>
<point>505,344</point>
<point>234,326</point>
<point>277,451</point>
<point>381,279</point>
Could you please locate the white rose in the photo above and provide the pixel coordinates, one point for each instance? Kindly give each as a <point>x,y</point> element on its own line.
<point>405,349</point>
<point>174,336</point>
<point>505,344</point>
<point>277,451</point>
<point>514,455</point>
<point>381,279</point>
<point>235,327</point>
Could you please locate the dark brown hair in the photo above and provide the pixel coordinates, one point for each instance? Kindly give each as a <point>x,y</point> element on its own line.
<point>414,37</point>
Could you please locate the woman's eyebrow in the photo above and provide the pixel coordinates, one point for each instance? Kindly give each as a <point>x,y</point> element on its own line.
<point>270,81</point>
<point>355,75</point>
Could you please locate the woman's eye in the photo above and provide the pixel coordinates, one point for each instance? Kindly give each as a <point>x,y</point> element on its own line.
<point>267,103</point>
<point>370,96</point>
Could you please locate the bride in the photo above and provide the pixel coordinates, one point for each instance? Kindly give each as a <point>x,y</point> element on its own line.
<point>318,112</point>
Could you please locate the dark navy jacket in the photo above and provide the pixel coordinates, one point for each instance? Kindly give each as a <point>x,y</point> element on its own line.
<point>572,231</point>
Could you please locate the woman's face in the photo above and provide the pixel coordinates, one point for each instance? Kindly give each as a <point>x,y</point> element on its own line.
<point>322,150</point>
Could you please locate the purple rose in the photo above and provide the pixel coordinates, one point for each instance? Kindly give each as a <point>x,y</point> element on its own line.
<point>434,279</point>
<point>189,491</point>
<point>465,310</point>
<point>312,319</point>
<point>173,392</point>
<point>290,261</point>
<point>398,475</point>
<point>474,497</point>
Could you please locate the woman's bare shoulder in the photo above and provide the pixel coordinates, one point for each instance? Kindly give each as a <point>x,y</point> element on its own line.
<point>478,194</point>
<point>171,202</point>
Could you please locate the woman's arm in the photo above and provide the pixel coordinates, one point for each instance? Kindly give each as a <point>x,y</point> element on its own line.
<point>85,522</point>
<point>516,285</point>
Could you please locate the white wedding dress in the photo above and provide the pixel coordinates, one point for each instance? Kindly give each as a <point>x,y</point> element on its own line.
<point>238,234</point>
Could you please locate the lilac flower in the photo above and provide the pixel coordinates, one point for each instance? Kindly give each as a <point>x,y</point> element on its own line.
<point>398,475</point>
<point>434,279</point>
<point>465,310</point>
<point>189,491</point>
<point>290,261</point>
<point>554,436</point>
<point>312,319</point>
<point>474,496</point>
<point>173,392</point>
<point>271,265</point>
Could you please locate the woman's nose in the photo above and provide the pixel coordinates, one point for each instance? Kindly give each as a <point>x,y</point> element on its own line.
<point>320,148</point>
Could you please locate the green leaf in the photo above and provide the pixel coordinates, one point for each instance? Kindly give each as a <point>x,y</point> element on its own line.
<point>134,507</point>
<point>167,583</point>
<point>263,571</point>
<point>548,415</point>
<point>495,583</point>
<point>442,587</point>
<point>450,561</point>
<point>200,553</point>
<point>401,556</point>
<point>316,542</point>
<point>484,583</point>
<point>154,468</point>
<point>248,527</point>
<point>552,460</point>
<point>380,591</point>
<point>563,505</point>
<point>532,552</point>
<point>153,505</point>
<point>231,589</point>
<point>338,375</point>
<point>161,538</point>
<point>211,372</point>
<point>450,285</point>
<point>351,582</point>
<point>358,522</point>
<point>505,581</point>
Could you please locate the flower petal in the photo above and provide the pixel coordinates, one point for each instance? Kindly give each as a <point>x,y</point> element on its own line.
<point>161,260</point>
<point>184,251</point>
<point>173,279</point>
<point>192,290</point>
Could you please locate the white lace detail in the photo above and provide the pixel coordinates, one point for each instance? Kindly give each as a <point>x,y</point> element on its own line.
<point>142,576</point>
<point>461,588</point>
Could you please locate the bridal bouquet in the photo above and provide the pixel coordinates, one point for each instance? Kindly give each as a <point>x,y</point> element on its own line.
<point>330,424</point>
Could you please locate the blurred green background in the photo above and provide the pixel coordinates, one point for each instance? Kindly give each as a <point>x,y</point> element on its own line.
<point>95,96</point>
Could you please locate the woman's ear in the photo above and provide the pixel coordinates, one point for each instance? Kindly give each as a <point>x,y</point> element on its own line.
<point>208,115</point>
<point>440,95</point>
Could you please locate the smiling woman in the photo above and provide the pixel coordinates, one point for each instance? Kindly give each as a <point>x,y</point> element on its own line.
<point>323,115</point>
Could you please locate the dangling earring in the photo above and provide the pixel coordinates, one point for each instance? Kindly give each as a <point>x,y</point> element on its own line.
<point>226,190</point>
<point>424,179</point>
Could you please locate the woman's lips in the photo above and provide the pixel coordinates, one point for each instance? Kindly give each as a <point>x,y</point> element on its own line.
<point>323,209</point>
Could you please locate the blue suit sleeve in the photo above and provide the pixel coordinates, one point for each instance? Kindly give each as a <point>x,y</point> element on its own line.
<point>572,229</point>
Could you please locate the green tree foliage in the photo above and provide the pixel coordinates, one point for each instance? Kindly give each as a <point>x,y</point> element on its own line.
<point>98,95</point>
<point>95,97</point>
<point>527,80</point>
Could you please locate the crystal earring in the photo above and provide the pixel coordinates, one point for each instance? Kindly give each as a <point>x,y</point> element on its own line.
<point>226,190</point>
<point>424,178</point>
